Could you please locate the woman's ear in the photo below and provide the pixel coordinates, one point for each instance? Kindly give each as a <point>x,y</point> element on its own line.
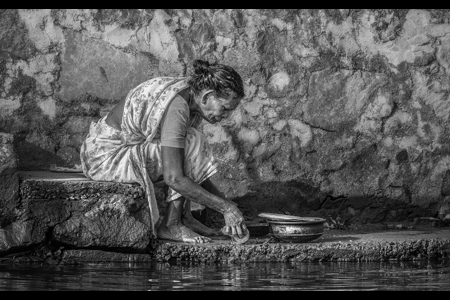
<point>205,97</point>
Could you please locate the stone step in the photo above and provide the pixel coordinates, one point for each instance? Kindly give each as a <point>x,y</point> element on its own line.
<point>71,210</point>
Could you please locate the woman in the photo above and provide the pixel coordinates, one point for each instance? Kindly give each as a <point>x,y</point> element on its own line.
<point>152,133</point>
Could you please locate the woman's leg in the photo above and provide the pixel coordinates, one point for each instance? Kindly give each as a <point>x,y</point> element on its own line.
<point>188,219</point>
<point>199,165</point>
<point>172,228</point>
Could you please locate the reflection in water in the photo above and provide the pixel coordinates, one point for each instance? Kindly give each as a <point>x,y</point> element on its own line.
<point>419,275</point>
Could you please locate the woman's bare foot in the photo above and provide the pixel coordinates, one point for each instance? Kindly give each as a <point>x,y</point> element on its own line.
<point>197,226</point>
<point>188,219</point>
<point>180,233</point>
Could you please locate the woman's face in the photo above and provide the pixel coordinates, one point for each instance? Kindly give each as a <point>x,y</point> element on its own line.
<point>214,109</point>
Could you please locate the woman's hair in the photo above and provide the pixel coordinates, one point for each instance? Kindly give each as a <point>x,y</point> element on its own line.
<point>223,80</point>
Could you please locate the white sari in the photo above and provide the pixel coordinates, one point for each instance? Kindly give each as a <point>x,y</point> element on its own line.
<point>134,154</point>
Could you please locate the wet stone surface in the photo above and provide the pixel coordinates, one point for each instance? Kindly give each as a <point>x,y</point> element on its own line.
<point>334,245</point>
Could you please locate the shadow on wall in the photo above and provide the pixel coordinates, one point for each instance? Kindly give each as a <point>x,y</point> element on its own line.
<point>300,199</point>
<point>34,158</point>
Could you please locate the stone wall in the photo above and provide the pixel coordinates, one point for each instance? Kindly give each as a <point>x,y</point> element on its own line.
<point>346,110</point>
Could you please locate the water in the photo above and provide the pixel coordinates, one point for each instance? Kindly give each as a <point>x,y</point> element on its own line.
<point>420,275</point>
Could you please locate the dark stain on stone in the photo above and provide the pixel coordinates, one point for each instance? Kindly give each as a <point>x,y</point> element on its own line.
<point>103,73</point>
<point>374,64</point>
<point>445,188</point>
<point>22,84</point>
<point>365,157</point>
<point>388,24</point>
<point>402,156</point>
<point>202,33</point>
<point>2,70</point>
<point>186,46</point>
<point>132,18</point>
<point>264,42</point>
<point>127,18</point>
<point>378,64</point>
<point>238,18</point>
<point>326,60</point>
<point>444,150</point>
<point>440,16</point>
<point>403,67</point>
<point>2,66</point>
<point>14,35</point>
<point>424,60</point>
<point>202,36</point>
<point>337,15</point>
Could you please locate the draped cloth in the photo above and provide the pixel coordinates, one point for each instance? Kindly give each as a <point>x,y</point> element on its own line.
<point>133,155</point>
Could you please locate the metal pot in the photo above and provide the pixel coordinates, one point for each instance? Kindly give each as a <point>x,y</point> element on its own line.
<point>307,229</point>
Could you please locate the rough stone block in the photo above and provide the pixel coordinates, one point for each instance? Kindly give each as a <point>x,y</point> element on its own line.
<point>19,235</point>
<point>76,212</point>
<point>9,179</point>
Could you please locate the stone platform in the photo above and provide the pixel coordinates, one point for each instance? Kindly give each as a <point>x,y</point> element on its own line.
<point>65,218</point>
<point>69,209</point>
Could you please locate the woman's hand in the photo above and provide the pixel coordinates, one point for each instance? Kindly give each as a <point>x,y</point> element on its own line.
<point>234,221</point>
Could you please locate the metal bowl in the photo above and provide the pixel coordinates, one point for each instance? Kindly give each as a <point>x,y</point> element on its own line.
<point>306,230</point>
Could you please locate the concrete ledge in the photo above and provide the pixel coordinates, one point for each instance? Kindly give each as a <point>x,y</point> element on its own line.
<point>334,245</point>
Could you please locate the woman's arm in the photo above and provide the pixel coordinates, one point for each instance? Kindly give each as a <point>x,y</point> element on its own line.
<point>174,176</point>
